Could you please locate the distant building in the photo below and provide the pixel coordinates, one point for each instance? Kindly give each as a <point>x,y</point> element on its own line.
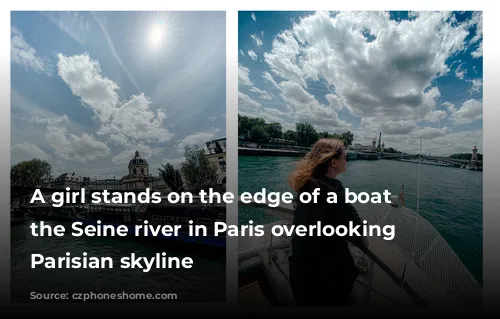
<point>139,176</point>
<point>282,141</point>
<point>216,153</point>
<point>138,173</point>
<point>360,147</point>
<point>68,180</point>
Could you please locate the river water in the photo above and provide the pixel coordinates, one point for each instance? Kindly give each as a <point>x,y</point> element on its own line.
<point>451,199</point>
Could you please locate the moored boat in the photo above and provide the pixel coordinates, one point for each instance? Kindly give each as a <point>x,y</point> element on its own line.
<point>367,155</point>
<point>48,212</point>
<point>162,214</point>
<point>352,155</point>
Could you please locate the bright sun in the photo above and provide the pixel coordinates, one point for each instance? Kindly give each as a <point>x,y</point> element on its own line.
<point>156,35</point>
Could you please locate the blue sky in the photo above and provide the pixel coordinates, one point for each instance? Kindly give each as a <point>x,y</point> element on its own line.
<point>409,75</point>
<point>89,88</point>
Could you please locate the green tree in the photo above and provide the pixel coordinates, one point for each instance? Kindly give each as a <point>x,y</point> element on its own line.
<point>347,137</point>
<point>256,129</point>
<point>306,134</point>
<point>258,134</point>
<point>290,135</point>
<point>198,171</point>
<point>275,130</point>
<point>172,177</point>
<point>246,123</point>
<point>32,173</point>
<point>324,135</point>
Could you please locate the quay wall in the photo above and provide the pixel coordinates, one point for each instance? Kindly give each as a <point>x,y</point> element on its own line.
<point>268,152</point>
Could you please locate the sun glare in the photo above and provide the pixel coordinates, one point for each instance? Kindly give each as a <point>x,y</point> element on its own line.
<point>156,35</point>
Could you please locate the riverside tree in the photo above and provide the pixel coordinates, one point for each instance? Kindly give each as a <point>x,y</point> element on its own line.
<point>172,177</point>
<point>198,171</point>
<point>33,173</point>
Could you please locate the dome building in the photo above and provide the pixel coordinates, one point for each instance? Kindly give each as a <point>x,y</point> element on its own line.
<point>138,166</point>
<point>138,173</point>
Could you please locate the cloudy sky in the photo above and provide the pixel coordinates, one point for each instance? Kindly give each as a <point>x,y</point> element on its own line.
<point>88,89</point>
<point>408,75</point>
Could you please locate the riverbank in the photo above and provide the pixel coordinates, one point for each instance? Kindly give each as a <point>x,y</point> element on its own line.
<point>248,151</point>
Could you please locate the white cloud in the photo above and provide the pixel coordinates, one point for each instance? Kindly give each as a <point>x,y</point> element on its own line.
<point>307,108</point>
<point>23,54</point>
<point>470,111</point>
<point>477,85</point>
<point>68,146</point>
<point>430,133</point>
<point>82,75</point>
<point>245,102</point>
<point>372,67</point>
<point>130,121</point>
<point>30,150</point>
<point>243,75</point>
<point>41,133</point>
<point>256,39</point>
<point>269,78</point>
<point>244,79</point>
<point>460,72</point>
<point>252,55</point>
<point>477,21</point>
<point>393,74</point>
<point>199,138</point>
<point>264,95</point>
<point>451,107</point>
<point>436,116</point>
<point>478,52</point>
<point>398,127</point>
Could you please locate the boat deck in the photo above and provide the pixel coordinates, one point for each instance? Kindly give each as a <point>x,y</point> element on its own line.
<point>277,273</point>
<point>417,254</point>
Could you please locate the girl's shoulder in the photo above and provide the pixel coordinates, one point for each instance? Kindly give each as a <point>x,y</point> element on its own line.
<point>326,185</point>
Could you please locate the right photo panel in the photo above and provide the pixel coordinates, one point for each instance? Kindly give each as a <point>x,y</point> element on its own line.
<point>372,122</point>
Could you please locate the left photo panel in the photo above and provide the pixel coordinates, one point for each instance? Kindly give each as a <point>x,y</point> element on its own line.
<point>118,121</point>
